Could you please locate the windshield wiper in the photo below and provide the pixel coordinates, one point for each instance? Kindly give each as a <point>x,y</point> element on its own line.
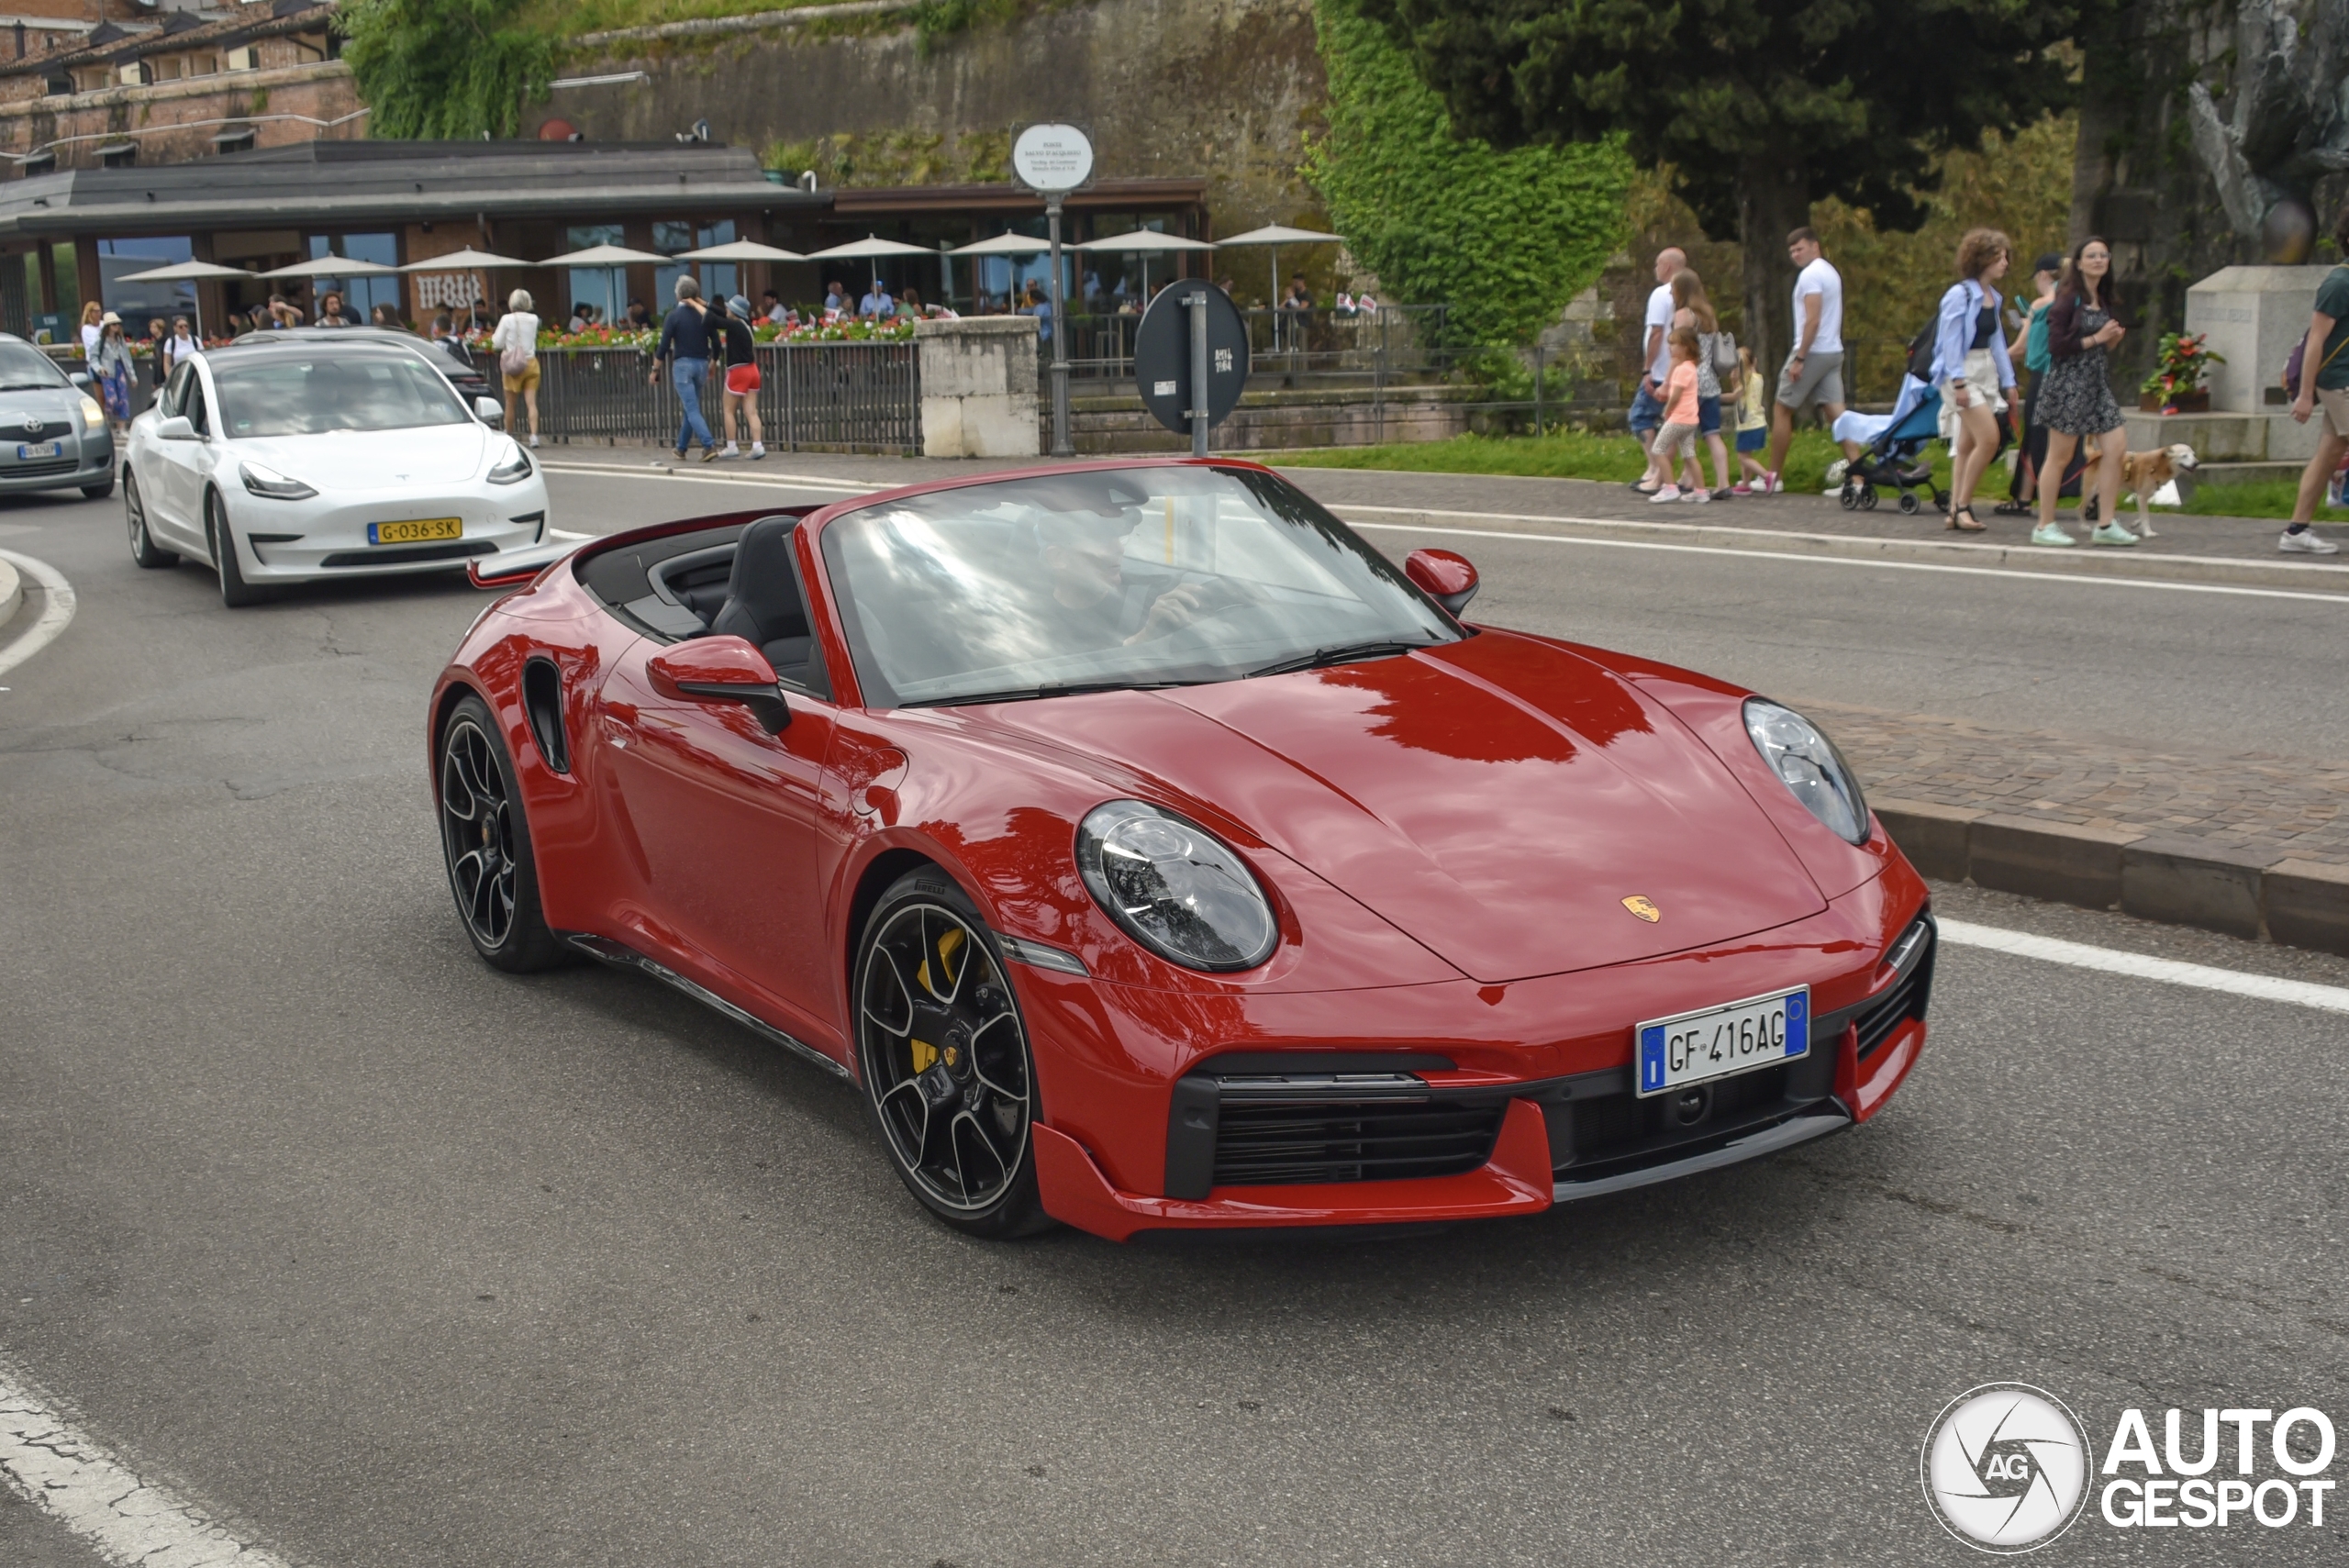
<point>1054,689</point>
<point>1336,653</point>
<point>32,386</point>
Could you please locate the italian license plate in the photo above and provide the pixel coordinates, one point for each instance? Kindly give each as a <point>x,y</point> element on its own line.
<point>29,449</point>
<point>1714,1042</point>
<point>416,532</point>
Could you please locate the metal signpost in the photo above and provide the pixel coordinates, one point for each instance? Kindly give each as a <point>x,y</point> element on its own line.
<point>1054,160</point>
<point>1191,358</point>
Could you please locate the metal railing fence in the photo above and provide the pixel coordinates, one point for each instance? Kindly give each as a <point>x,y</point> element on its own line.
<point>1297,346</point>
<point>865,396</point>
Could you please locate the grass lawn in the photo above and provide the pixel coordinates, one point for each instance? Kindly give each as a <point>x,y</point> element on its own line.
<point>1568,454</point>
<point>2266,498</point>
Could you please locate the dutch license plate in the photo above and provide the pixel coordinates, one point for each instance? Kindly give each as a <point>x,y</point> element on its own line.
<point>1714,1042</point>
<point>30,449</point>
<point>416,532</point>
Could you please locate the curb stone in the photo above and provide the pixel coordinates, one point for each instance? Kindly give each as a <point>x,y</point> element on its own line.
<point>2178,880</point>
<point>11,592</point>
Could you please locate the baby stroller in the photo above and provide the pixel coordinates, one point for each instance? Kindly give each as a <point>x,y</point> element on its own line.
<point>1895,455</point>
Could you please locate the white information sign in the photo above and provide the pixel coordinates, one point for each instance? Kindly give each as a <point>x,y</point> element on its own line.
<point>1052,157</point>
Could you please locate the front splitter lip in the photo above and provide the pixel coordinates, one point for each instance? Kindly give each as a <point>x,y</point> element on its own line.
<point>1796,1129</point>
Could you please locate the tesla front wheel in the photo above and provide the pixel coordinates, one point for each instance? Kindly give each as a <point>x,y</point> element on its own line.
<point>485,839</point>
<point>235,591</point>
<point>142,544</point>
<point>944,1059</point>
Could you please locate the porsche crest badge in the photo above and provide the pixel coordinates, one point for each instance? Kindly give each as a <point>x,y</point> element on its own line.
<point>1644,908</point>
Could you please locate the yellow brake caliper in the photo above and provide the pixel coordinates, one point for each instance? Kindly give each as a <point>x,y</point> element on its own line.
<point>948,946</point>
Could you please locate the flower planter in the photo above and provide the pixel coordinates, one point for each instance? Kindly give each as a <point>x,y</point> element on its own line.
<point>2195,402</point>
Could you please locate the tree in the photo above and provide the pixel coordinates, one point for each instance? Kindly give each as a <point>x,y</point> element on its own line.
<point>449,70</point>
<point>1757,107</point>
<point>1505,239</point>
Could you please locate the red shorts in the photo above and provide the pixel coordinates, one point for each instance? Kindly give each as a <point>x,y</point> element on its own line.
<point>742,380</point>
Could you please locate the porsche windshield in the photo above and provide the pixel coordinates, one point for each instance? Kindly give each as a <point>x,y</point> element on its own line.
<point>1130,577</point>
<point>293,394</point>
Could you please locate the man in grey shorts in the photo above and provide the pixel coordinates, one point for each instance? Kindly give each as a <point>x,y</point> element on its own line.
<point>1813,373</point>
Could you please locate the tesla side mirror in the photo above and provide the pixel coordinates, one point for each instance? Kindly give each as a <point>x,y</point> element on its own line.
<point>1443,576</point>
<point>492,412</point>
<point>721,669</point>
<point>175,428</point>
<point>80,379</point>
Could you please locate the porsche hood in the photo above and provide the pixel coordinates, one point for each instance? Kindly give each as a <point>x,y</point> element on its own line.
<point>1514,807</point>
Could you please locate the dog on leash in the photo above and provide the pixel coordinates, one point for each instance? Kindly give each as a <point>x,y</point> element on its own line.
<point>2144,473</point>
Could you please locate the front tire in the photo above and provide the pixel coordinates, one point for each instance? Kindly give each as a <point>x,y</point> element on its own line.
<point>235,591</point>
<point>142,543</point>
<point>98,491</point>
<point>485,841</point>
<point>944,1057</point>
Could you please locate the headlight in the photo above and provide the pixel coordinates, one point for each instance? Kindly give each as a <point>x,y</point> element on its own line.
<point>1810,766</point>
<point>264,480</point>
<point>94,416</point>
<point>512,469</point>
<point>1173,887</point>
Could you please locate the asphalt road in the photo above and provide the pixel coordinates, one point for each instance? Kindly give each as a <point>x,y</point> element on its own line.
<point>393,1260</point>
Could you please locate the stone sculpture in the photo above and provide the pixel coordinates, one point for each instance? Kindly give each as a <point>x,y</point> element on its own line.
<point>2289,124</point>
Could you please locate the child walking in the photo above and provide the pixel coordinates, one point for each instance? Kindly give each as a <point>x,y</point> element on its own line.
<point>1676,442</point>
<point>1752,424</point>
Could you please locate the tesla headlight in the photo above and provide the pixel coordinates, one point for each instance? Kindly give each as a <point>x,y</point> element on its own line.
<point>264,480</point>
<point>93,416</point>
<point>1173,887</point>
<point>1810,766</point>
<point>513,468</point>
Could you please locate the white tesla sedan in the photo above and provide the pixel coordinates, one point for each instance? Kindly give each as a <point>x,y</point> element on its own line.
<point>297,461</point>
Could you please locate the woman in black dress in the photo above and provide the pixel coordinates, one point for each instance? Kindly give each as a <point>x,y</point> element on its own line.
<point>2076,400</point>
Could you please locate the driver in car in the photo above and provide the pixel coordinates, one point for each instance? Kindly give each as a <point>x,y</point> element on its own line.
<point>1102,603</point>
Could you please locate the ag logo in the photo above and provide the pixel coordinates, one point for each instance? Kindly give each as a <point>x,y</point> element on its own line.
<point>2005,1467</point>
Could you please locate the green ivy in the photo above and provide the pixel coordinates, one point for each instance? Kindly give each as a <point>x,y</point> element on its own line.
<point>1505,239</point>
<point>444,70</point>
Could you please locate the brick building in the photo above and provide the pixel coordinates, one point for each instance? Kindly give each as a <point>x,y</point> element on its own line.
<point>167,82</point>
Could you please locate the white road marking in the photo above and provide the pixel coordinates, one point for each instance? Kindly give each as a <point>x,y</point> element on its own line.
<point>781,481</point>
<point>2079,955</point>
<point>100,1498</point>
<point>2010,572</point>
<point>567,533</point>
<point>56,613</point>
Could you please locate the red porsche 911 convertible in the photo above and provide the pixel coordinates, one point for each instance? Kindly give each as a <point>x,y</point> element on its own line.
<point>1152,853</point>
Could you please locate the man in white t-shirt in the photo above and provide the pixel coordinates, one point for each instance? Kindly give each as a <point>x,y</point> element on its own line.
<point>1813,376</point>
<point>1655,362</point>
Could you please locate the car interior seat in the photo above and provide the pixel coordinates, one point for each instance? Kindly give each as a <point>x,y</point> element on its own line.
<point>763,606</point>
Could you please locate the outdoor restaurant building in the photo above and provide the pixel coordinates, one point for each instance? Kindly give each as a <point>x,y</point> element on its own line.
<point>72,236</point>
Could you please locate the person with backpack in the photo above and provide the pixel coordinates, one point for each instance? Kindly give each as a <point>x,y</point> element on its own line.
<point>516,343</point>
<point>1715,357</point>
<point>2323,363</point>
<point>2023,495</point>
<point>1971,369</point>
<point>2077,400</point>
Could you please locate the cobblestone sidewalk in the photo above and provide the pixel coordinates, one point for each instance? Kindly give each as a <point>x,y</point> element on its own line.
<point>2255,803</point>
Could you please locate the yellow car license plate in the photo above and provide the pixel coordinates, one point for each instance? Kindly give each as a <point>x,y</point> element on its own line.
<point>416,532</point>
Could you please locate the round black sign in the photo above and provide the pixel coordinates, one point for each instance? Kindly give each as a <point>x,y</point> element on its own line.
<point>1162,355</point>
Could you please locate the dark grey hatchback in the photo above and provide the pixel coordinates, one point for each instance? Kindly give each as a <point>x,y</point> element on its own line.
<point>53,435</point>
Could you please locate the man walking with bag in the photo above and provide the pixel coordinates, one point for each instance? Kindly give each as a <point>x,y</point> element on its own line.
<point>2323,361</point>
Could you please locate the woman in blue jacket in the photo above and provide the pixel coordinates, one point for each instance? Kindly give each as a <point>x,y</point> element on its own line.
<point>1971,369</point>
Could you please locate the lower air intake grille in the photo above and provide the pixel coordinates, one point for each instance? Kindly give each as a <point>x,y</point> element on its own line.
<point>42,469</point>
<point>1270,1145</point>
<point>1902,1000</point>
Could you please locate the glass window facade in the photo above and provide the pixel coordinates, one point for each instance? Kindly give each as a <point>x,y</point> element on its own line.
<point>361,293</point>
<point>138,304</point>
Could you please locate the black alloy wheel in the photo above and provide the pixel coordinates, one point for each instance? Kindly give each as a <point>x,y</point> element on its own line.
<point>944,1059</point>
<point>485,839</point>
<point>142,545</point>
<point>235,591</point>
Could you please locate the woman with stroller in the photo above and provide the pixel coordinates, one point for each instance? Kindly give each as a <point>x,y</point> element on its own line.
<point>1971,370</point>
<point>2075,401</point>
<point>1692,310</point>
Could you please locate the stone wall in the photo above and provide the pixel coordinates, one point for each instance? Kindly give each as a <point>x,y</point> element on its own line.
<point>1227,89</point>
